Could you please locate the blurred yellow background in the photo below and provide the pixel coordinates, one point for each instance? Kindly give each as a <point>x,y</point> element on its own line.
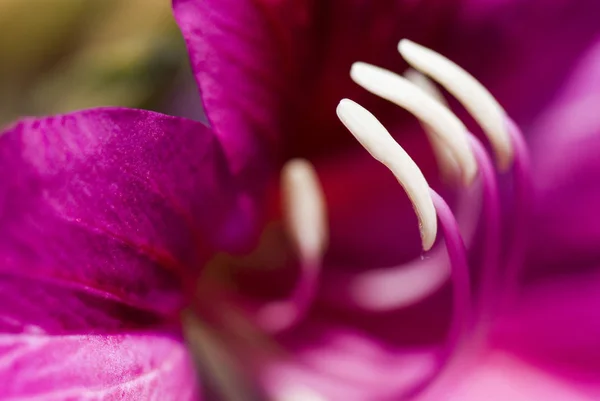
<point>62,55</point>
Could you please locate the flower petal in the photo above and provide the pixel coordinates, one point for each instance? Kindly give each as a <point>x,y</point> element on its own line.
<point>110,200</point>
<point>500,376</point>
<point>565,143</point>
<point>128,366</point>
<point>333,363</point>
<point>557,326</point>
<point>529,46</point>
<point>38,306</point>
<point>276,70</point>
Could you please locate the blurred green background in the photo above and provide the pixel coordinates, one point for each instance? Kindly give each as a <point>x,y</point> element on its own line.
<point>62,55</point>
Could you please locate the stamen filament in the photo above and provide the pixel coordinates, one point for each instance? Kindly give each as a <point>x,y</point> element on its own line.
<point>461,287</point>
<point>461,293</point>
<point>490,275</point>
<point>306,218</point>
<point>523,183</point>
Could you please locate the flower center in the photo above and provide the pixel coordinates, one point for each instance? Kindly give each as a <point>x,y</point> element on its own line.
<point>496,256</point>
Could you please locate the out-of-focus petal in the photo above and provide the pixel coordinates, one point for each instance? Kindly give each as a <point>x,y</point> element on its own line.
<point>115,202</point>
<point>500,376</point>
<point>565,144</point>
<point>522,50</point>
<point>339,354</point>
<point>557,327</point>
<point>334,363</point>
<point>127,366</point>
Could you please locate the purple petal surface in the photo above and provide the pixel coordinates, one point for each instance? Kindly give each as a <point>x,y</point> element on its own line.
<point>275,70</point>
<point>332,362</point>
<point>127,366</point>
<point>502,376</point>
<point>565,144</point>
<point>114,203</point>
<point>523,50</point>
<point>557,326</point>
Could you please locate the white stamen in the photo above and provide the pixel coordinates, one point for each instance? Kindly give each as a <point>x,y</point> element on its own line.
<point>379,143</point>
<point>448,164</point>
<point>304,205</point>
<point>470,92</point>
<point>409,96</point>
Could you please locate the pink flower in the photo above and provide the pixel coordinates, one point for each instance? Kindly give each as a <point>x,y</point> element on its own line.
<point>110,217</point>
<point>273,71</point>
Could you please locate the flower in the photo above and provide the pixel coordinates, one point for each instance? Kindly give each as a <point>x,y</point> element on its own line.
<point>109,217</point>
<point>273,71</point>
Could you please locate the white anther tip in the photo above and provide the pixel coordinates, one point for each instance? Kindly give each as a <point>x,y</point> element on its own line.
<point>470,92</point>
<point>379,143</point>
<point>406,46</point>
<point>358,68</point>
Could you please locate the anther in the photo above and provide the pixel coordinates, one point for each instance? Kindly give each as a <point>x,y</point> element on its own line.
<point>449,167</point>
<point>470,92</point>
<point>305,210</point>
<point>379,143</point>
<point>435,115</point>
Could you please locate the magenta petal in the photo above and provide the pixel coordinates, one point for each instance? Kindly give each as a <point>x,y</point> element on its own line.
<point>565,144</point>
<point>33,306</point>
<point>558,324</point>
<point>132,366</point>
<point>336,363</point>
<point>113,202</point>
<point>501,376</point>
<point>235,59</point>
<point>523,50</point>
<point>275,70</point>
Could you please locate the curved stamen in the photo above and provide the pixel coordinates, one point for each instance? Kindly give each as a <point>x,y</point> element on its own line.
<point>522,181</point>
<point>409,96</point>
<point>470,92</point>
<point>306,218</point>
<point>507,139</point>
<point>461,294</point>
<point>490,275</point>
<point>491,204</point>
<point>375,138</point>
<point>379,143</point>
<point>460,269</point>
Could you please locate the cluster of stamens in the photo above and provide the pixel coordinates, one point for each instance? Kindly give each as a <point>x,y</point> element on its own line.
<point>460,154</point>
